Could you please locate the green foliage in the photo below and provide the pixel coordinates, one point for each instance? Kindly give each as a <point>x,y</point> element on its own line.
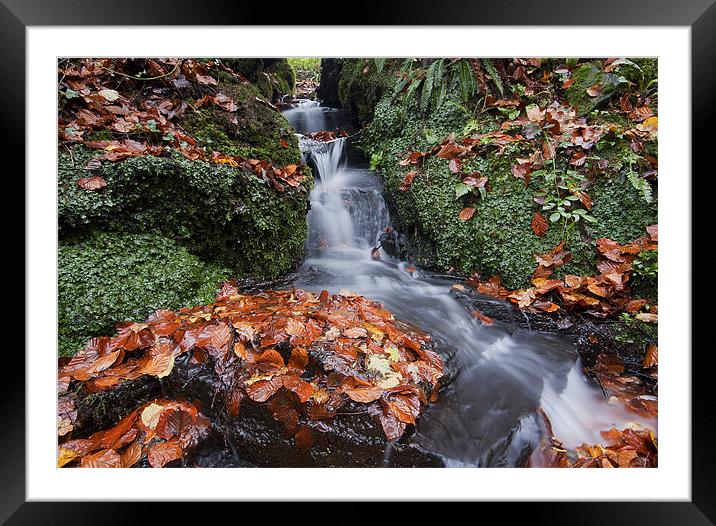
<point>634,336</point>
<point>621,215</point>
<point>560,202</point>
<point>273,78</point>
<point>645,275</point>
<point>490,67</point>
<point>108,278</point>
<point>305,63</point>
<point>220,213</point>
<point>498,239</point>
<point>306,68</point>
<point>360,87</point>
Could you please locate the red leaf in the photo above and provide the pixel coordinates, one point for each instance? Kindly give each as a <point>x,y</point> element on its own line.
<point>540,225</point>
<point>407,181</point>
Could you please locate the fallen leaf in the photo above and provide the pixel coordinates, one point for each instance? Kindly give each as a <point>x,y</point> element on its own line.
<point>539,224</point>
<point>466,214</point>
<point>91,183</point>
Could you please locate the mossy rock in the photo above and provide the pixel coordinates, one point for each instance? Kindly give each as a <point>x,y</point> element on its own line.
<point>255,130</point>
<point>360,88</point>
<point>633,337</point>
<point>273,77</point>
<point>222,214</point>
<point>108,278</point>
<point>498,240</point>
<point>590,74</point>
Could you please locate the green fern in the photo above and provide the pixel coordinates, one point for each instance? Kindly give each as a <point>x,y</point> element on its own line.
<point>379,64</point>
<point>465,79</point>
<point>489,66</point>
<point>640,184</point>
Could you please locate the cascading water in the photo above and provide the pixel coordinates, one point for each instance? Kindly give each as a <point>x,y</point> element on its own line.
<point>488,415</point>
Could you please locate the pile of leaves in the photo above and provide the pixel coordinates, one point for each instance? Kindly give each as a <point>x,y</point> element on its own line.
<point>327,135</point>
<point>145,125</point>
<point>161,431</point>
<point>600,295</point>
<point>627,448</point>
<point>304,356</point>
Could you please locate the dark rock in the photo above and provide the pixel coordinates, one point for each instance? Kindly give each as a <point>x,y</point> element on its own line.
<point>255,438</point>
<point>328,89</point>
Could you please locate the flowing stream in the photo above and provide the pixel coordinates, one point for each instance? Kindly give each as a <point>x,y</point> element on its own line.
<point>488,415</point>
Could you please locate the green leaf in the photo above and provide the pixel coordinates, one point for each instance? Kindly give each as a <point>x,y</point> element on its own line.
<point>555,217</point>
<point>493,75</point>
<point>462,189</point>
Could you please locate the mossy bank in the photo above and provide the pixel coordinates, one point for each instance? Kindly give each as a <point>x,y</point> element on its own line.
<point>165,230</point>
<point>499,239</point>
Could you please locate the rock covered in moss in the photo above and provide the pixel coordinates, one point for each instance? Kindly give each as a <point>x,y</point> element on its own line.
<point>255,130</point>
<point>274,77</point>
<point>360,88</point>
<point>107,278</point>
<point>219,212</point>
<point>327,91</point>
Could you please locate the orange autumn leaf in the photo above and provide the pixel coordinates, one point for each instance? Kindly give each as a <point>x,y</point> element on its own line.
<point>466,214</point>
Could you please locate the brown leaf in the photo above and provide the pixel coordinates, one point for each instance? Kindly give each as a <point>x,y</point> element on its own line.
<point>407,181</point>
<point>304,438</point>
<point>174,422</point>
<point>585,199</point>
<point>131,455</point>
<point>105,458</point>
<point>162,453</point>
<point>364,395</point>
<point>455,165</point>
<point>466,214</point>
<point>651,358</point>
<point>92,183</point>
<point>485,320</point>
<point>595,90</point>
<point>539,224</point>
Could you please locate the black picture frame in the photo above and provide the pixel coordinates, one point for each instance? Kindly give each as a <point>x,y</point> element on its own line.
<point>699,15</point>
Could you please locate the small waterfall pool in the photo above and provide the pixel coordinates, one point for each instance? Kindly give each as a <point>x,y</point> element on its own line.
<point>488,415</point>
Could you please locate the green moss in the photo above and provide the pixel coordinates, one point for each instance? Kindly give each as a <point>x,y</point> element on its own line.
<point>587,75</point>
<point>258,130</point>
<point>634,336</point>
<point>272,77</point>
<point>222,214</point>
<point>620,210</point>
<point>361,87</point>
<point>108,278</point>
<point>498,239</point>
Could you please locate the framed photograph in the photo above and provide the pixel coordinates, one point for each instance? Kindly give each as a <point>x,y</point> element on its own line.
<point>429,239</point>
